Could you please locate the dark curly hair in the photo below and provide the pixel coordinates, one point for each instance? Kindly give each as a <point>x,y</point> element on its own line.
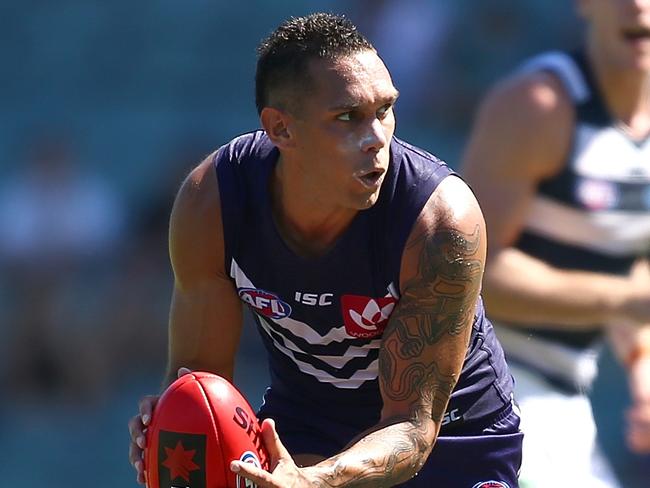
<point>283,57</point>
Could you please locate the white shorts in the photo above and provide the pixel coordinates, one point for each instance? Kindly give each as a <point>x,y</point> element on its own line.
<point>560,449</point>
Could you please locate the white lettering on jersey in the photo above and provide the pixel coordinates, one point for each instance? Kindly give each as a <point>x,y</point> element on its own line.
<point>322,300</point>
<point>451,416</point>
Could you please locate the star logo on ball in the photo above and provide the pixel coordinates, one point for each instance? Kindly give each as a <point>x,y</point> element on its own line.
<point>179,462</point>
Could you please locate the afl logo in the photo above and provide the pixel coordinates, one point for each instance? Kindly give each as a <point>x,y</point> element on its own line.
<point>491,484</point>
<point>248,457</point>
<point>266,303</point>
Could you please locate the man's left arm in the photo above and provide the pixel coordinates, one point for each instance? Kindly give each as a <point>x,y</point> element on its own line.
<point>631,344</point>
<point>421,356</point>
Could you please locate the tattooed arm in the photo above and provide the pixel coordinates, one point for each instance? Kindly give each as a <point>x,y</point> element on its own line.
<point>421,356</point>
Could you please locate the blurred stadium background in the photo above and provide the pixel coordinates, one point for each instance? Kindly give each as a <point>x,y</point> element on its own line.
<point>105,107</point>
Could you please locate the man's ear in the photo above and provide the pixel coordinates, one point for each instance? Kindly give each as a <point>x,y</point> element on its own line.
<point>277,124</point>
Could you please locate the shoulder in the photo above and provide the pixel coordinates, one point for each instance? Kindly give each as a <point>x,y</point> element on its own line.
<point>248,146</point>
<point>195,229</point>
<point>537,97</point>
<point>448,242</point>
<point>199,187</point>
<point>452,205</point>
<point>199,196</point>
<point>523,128</point>
<point>415,170</point>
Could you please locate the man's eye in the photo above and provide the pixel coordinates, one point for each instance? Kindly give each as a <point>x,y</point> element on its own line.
<point>346,117</point>
<point>383,111</point>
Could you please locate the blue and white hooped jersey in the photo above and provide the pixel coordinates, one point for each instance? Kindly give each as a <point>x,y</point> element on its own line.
<point>594,215</point>
<point>321,319</point>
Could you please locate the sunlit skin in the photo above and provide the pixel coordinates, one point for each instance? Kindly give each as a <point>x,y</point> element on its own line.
<point>618,45</point>
<point>335,147</point>
<point>526,125</point>
<point>619,32</point>
<point>334,138</point>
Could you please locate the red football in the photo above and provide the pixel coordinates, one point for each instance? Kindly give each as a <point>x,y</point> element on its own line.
<point>200,424</point>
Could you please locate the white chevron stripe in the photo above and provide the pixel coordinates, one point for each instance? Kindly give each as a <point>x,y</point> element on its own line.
<point>615,233</point>
<point>334,361</point>
<point>300,329</point>
<point>609,154</point>
<point>357,379</point>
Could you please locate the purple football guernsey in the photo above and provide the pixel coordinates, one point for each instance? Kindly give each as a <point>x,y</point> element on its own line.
<point>321,319</point>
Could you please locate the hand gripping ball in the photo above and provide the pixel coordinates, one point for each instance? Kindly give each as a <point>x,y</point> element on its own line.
<point>200,424</point>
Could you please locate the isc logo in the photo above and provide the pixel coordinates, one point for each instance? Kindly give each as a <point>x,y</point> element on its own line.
<point>265,302</point>
<point>312,299</point>
<point>451,416</point>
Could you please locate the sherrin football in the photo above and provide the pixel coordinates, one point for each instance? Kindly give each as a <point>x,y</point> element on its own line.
<point>200,424</point>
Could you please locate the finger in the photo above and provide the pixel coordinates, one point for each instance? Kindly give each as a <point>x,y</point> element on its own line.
<point>182,371</point>
<point>135,455</point>
<point>137,432</point>
<point>263,479</point>
<point>135,427</point>
<point>140,478</point>
<point>272,442</point>
<point>146,407</point>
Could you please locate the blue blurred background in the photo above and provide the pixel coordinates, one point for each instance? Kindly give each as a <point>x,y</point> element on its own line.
<point>105,107</point>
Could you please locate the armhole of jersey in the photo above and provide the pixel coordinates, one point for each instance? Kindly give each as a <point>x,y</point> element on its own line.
<point>567,71</point>
<point>230,212</point>
<point>403,230</point>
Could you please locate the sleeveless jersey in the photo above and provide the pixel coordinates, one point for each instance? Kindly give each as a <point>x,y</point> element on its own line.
<point>321,319</point>
<point>594,215</point>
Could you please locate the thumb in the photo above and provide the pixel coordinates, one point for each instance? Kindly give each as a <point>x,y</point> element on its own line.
<point>271,440</point>
<point>182,371</point>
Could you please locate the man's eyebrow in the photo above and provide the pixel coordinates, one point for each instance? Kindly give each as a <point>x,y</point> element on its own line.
<point>349,106</point>
<point>345,106</point>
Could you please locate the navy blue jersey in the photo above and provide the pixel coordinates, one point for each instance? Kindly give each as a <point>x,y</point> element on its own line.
<point>594,215</point>
<point>321,319</point>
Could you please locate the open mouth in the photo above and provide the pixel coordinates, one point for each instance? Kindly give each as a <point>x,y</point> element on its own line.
<point>370,179</point>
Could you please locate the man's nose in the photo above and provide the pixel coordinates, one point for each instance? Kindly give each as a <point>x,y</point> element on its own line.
<point>375,138</point>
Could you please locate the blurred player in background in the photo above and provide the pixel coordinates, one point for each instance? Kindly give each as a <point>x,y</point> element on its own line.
<point>559,159</point>
<point>361,258</point>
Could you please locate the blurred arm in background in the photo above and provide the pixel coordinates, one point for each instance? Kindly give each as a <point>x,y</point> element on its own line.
<point>559,185</point>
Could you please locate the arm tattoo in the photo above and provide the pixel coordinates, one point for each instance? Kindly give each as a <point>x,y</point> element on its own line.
<point>438,300</point>
<point>437,303</point>
<point>402,447</point>
<point>442,294</point>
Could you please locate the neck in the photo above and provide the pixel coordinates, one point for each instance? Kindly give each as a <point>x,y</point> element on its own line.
<point>626,93</point>
<point>308,224</point>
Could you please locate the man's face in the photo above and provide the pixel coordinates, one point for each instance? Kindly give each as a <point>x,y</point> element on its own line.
<point>343,129</point>
<point>621,31</point>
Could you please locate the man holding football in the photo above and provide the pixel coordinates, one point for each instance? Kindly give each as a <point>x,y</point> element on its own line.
<point>361,258</point>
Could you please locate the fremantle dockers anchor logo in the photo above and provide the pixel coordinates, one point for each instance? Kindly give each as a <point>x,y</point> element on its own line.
<point>364,316</point>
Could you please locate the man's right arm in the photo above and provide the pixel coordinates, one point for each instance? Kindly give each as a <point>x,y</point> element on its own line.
<point>206,314</point>
<point>522,136</point>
